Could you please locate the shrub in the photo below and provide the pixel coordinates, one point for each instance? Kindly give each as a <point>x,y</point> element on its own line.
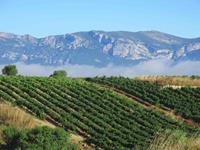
<point>41,138</point>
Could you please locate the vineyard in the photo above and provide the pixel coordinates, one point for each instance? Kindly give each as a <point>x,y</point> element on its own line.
<point>184,101</point>
<point>106,119</point>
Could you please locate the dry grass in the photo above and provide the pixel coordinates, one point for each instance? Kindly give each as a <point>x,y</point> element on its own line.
<point>175,140</point>
<point>172,80</point>
<point>79,140</point>
<point>2,127</point>
<point>16,117</point>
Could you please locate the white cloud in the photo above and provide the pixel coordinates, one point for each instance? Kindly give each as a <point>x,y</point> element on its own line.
<point>153,67</point>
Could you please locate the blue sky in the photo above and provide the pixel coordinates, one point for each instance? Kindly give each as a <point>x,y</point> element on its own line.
<point>49,17</point>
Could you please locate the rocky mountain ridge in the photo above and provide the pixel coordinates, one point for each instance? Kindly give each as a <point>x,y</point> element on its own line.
<point>97,48</point>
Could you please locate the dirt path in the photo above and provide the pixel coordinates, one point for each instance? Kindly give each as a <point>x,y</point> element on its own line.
<point>165,110</point>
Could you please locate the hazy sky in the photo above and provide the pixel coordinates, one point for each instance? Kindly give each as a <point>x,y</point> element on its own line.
<point>48,17</point>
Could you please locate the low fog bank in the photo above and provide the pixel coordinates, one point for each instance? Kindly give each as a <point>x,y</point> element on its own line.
<point>153,67</point>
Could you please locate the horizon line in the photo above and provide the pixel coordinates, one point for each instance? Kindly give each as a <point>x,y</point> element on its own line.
<point>85,31</point>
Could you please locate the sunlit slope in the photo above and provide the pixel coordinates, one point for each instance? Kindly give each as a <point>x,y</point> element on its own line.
<point>105,118</point>
<point>184,101</point>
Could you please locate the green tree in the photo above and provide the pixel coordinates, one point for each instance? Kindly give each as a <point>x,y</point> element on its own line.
<point>59,73</point>
<point>9,70</point>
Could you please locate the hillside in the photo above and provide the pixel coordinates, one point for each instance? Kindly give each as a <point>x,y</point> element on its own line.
<point>183,101</point>
<point>14,117</point>
<point>105,118</point>
<point>97,48</point>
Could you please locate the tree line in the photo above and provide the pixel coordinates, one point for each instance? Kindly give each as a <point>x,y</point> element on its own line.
<point>11,70</point>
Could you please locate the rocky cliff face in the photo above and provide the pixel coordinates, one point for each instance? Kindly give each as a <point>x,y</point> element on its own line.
<point>97,48</point>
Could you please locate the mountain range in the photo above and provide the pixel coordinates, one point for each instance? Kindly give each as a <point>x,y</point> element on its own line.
<point>97,48</point>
